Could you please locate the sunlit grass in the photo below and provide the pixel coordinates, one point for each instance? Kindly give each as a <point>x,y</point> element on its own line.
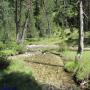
<point>18,66</point>
<point>18,76</point>
<point>84,70</point>
<point>84,63</point>
<point>69,54</point>
<point>47,41</point>
<point>8,52</point>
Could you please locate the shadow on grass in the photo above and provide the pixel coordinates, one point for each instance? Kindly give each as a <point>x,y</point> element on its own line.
<point>15,80</point>
<point>18,81</point>
<point>4,63</point>
<point>22,81</point>
<point>62,87</point>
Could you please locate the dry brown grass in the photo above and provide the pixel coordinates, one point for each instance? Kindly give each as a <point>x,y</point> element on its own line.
<point>48,69</point>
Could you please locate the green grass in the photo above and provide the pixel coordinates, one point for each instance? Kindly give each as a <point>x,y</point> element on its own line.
<point>8,52</point>
<point>70,55</point>
<point>19,66</point>
<point>84,64</point>
<point>70,66</point>
<point>11,48</point>
<point>18,75</point>
<point>46,41</point>
<point>84,69</point>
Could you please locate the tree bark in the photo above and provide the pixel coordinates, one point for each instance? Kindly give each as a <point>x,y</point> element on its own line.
<point>81,33</point>
<point>18,7</point>
<point>16,16</point>
<point>47,18</point>
<point>25,28</point>
<point>29,5</point>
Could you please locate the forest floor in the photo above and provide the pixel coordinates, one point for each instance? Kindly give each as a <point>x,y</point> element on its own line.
<point>47,68</point>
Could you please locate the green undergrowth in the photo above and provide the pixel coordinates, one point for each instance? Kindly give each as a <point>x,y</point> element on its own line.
<point>83,66</point>
<point>4,62</point>
<point>10,49</point>
<point>18,66</point>
<point>45,41</point>
<point>70,66</point>
<point>8,52</point>
<point>17,75</point>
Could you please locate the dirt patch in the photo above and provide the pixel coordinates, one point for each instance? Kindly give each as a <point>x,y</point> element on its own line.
<point>48,69</point>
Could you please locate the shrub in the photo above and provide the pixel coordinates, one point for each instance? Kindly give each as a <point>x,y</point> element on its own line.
<point>70,66</point>
<point>4,62</point>
<point>13,46</point>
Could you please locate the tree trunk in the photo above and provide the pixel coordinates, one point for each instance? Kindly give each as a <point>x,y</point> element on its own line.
<point>47,18</point>
<point>25,29</point>
<point>81,33</point>
<point>16,17</point>
<point>18,7</point>
<point>29,5</point>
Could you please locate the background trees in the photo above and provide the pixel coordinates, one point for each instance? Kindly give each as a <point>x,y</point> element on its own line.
<point>40,18</point>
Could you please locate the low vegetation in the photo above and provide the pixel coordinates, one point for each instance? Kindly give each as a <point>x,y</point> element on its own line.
<point>11,49</point>
<point>70,66</point>
<point>15,75</point>
<point>82,69</point>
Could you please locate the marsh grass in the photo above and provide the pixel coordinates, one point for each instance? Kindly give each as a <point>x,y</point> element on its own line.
<point>84,64</point>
